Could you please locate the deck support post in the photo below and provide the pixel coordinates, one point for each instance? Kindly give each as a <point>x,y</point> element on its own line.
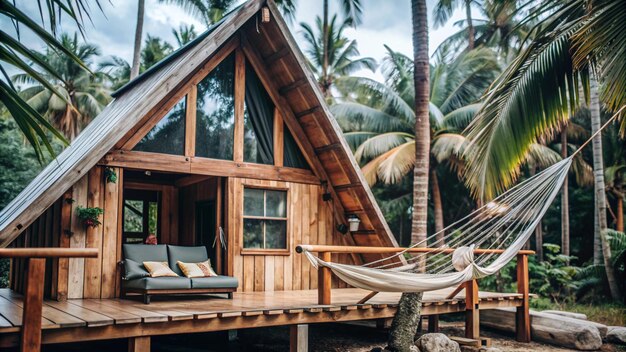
<point>33,303</point>
<point>522,316</point>
<point>472,315</point>
<point>299,338</point>
<point>433,323</point>
<point>139,344</point>
<point>324,283</point>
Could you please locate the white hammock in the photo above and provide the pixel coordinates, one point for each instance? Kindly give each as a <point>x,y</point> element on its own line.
<point>506,222</point>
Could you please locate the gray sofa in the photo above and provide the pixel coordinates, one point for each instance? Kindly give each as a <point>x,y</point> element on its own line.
<point>136,278</point>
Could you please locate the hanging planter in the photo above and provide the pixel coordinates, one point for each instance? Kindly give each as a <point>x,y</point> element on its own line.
<point>110,175</point>
<point>89,216</point>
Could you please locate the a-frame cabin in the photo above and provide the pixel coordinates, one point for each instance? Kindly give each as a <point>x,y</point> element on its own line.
<point>226,143</point>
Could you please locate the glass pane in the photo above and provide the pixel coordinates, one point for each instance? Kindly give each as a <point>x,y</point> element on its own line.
<point>168,136</point>
<point>276,204</point>
<point>275,234</point>
<point>250,142</point>
<point>133,216</point>
<point>215,117</point>
<point>253,202</point>
<point>292,154</point>
<point>252,233</point>
<point>153,216</point>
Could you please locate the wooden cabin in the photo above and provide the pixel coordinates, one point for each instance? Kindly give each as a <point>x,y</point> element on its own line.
<point>226,143</point>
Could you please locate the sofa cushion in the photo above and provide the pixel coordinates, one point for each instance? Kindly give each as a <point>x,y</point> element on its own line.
<point>203,269</point>
<point>214,282</point>
<point>159,269</point>
<point>159,283</point>
<point>134,270</point>
<point>145,252</point>
<point>185,254</point>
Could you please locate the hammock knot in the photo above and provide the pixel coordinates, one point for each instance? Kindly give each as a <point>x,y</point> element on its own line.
<point>462,257</point>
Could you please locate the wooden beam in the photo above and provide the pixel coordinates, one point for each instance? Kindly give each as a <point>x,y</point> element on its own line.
<point>301,114</point>
<point>472,317</point>
<point>204,166</point>
<point>433,323</point>
<point>190,180</point>
<point>279,145</point>
<point>190,121</point>
<point>240,94</point>
<point>294,85</point>
<point>522,315</point>
<point>456,291</point>
<point>380,250</point>
<point>33,303</point>
<point>347,186</point>
<point>367,298</point>
<point>270,59</point>
<point>139,344</point>
<point>328,148</point>
<point>45,252</point>
<point>299,338</point>
<point>324,280</point>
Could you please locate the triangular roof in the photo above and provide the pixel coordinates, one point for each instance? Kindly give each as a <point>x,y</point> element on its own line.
<point>308,117</point>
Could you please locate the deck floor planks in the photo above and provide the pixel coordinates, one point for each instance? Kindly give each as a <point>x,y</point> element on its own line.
<point>54,315</point>
<point>244,305</point>
<point>119,316</point>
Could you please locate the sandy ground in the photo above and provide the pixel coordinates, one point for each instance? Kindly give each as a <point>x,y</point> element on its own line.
<point>323,337</point>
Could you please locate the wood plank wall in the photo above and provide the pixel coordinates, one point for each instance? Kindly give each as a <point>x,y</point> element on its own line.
<point>59,226</point>
<point>309,221</point>
<point>189,195</point>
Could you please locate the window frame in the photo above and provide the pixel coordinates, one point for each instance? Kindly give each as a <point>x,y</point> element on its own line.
<point>266,251</point>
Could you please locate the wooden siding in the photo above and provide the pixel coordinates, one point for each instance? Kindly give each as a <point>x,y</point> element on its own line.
<point>309,221</point>
<point>189,195</point>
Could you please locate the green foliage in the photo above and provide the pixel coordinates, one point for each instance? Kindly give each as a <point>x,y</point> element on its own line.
<point>89,216</point>
<point>5,266</point>
<point>110,175</point>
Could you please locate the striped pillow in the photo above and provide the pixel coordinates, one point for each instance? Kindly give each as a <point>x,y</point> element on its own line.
<point>196,269</point>
<point>159,269</point>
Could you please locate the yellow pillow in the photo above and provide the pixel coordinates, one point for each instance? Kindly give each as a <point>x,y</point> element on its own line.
<point>196,269</point>
<point>159,269</point>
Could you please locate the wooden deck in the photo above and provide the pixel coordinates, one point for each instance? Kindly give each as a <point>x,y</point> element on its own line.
<point>100,319</point>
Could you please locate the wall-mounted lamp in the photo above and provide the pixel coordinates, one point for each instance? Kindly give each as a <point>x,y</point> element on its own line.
<point>265,14</point>
<point>354,222</point>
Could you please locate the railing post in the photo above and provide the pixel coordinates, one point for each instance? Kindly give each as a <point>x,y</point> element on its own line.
<point>33,302</point>
<point>522,316</point>
<point>472,315</point>
<point>324,282</point>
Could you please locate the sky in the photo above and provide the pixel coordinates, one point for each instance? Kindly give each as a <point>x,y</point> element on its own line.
<point>384,22</point>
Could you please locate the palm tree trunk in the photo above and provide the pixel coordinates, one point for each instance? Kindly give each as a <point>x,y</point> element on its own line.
<point>470,25</point>
<point>437,207</point>
<point>620,214</point>
<point>134,70</point>
<point>404,325</point>
<point>325,42</point>
<point>599,189</point>
<point>564,200</point>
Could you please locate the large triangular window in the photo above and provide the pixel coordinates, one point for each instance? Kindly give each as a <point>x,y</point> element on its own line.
<point>168,135</point>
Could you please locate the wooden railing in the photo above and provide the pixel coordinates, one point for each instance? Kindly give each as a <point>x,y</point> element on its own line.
<point>472,320</point>
<point>30,337</point>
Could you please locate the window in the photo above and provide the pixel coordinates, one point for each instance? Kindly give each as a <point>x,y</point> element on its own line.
<point>141,215</point>
<point>215,115</point>
<point>292,153</point>
<point>258,119</point>
<point>264,219</point>
<point>168,136</point>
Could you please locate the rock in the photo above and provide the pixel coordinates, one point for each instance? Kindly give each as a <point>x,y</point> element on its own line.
<point>549,328</point>
<point>490,349</point>
<point>436,342</point>
<point>616,334</point>
<point>602,329</point>
<point>566,314</point>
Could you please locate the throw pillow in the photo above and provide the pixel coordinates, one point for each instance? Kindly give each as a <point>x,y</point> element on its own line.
<point>159,269</point>
<point>134,270</point>
<point>196,269</point>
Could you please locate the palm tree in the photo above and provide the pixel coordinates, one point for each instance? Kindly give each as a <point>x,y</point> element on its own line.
<point>444,9</point>
<point>184,34</point>
<point>534,95</point>
<point>211,11</point>
<point>615,173</point>
<point>379,121</point>
<point>501,27</point>
<point>134,70</point>
<point>84,94</point>
<point>341,53</point>
<point>30,122</point>
<point>155,49</point>
<point>117,71</point>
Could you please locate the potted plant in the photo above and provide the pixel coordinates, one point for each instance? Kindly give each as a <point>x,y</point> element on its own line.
<point>89,216</point>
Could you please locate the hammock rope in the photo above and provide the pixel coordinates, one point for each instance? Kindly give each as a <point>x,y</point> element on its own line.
<point>506,223</point>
